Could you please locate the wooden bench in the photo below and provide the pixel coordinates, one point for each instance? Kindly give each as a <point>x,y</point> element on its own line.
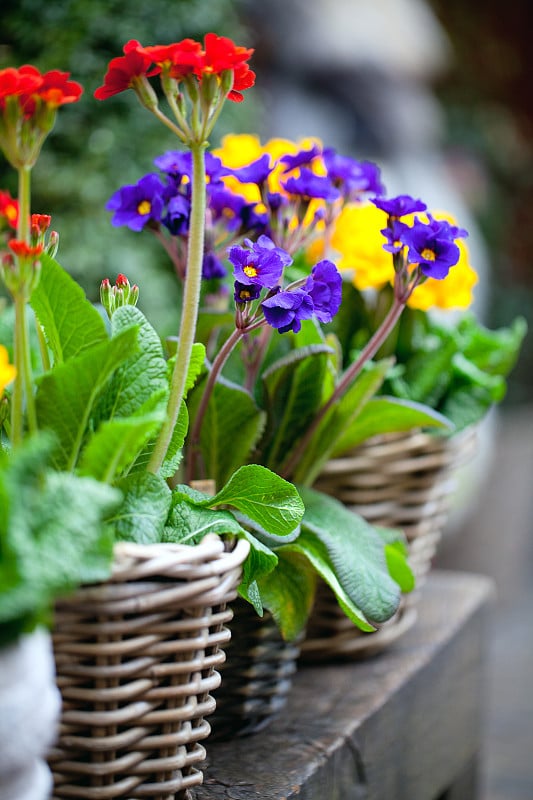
<point>404,725</point>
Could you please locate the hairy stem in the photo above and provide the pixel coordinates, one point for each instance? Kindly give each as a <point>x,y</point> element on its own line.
<point>191,300</point>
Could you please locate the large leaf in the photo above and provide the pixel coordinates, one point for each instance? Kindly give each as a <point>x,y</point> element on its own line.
<point>385,415</point>
<point>293,391</point>
<point>355,556</point>
<point>66,397</point>
<point>71,324</point>
<point>52,535</point>
<point>230,428</point>
<point>117,443</point>
<point>144,510</point>
<point>139,377</point>
<point>262,496</point>
<point>288,592</point>
<point>338,418</point>
<point>190,519</point>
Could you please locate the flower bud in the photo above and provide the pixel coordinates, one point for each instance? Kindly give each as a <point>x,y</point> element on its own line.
<point>121,294</point>
<point>53,244</point>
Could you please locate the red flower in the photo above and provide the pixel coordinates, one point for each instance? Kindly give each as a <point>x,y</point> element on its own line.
<point>180,58</point>
<point>9,209</point>
<point>16,82</point>
<point>222,54</point>
<point>23,250</point>
<point>125,69</point>
<point>31,86</point>
<point>243,78</point>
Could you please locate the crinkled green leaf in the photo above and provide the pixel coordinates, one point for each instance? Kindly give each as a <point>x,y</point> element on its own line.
<point>338,418</point>
<point>230,428</point>
<point>355,555</point>
<point>115,446</point>
<point>385,415</point>
<point>52,536</point>
<point>71,324</point>
<point>143,512</point>
<point>141,376</point>
<point>262,496</point>
<point>292,392</point>
<point>288,592</point>
<point>67,396</point>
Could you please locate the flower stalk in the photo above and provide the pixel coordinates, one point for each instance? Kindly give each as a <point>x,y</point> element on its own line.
<point>191,302</point>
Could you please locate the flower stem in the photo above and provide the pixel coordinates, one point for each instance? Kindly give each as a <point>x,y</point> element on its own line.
<point>191,301</point>
<point>23,386</point>
<point>216,368</point>
<point>347,379</point>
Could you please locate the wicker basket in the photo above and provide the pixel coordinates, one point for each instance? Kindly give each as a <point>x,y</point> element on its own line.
<point>400,480</point>
<point>257,674</point>
<point>135,660</point>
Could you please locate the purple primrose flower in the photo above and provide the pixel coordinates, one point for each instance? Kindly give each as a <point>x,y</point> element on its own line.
<point>395,236</point>
<point>432,251</point>
<point>136,205</point>
<point>176,220</point>
<point>300,158</point>
<point>324,286</point>
<point>399,206</point>
<point>256,172</point>
<point>245,293</point>
<point>308,184</point>
<point>286,310</point>
<point>259,263</point>
<point>212,266</point>
<point>352,176</point>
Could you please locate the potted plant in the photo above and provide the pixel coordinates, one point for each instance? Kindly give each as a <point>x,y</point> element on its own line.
<point>99,402</point>
<point>89,436</point>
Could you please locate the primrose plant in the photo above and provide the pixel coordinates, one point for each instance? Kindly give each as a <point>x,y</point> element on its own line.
<point>95,413</point>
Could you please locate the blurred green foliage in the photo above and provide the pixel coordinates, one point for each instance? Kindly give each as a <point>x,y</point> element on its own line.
<point>96,147</point>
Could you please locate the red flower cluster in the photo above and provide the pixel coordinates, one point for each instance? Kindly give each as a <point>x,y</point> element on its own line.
<point>178,60</point>
<point>33,88</point>
<point>9,209</point>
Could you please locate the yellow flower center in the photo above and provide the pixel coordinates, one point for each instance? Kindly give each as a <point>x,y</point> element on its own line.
<point>144,207</point>
<point>428,255</point>
<point>250,270</point>
<point>11,213</point>
<point>244,294</point>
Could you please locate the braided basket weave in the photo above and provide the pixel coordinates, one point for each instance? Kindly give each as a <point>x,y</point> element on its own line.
<point>256,676</point>
<point>135,662</point>
<point>398,480</point>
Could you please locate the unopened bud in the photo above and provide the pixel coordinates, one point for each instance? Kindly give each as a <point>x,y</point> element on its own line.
<point>53,244</point>
<point>121,294</point>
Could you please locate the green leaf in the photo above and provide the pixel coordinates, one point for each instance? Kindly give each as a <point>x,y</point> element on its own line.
<point>71,324</point>
<point>292,390</point>
<point>264,497</point>
<point>52,536</point>
<point>349,554</point>
<point>336,420</point>
<point>143,513</point>
<point>288,592</point>
<point>230,428</point>
<point>398,567</point>
<point>188,522</point>
<point>67,396</point>
<point>117,444</point>
<point>141,375</point>
<point>385,415</point>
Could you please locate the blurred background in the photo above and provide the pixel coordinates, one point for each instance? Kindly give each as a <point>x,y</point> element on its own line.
<point>439,94</point>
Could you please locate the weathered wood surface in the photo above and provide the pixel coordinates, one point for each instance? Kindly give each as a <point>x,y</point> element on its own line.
<point>404,725</point>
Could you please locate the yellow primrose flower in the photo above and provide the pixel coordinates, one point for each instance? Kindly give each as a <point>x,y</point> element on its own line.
<point>357,239</point>
<point>7,370</point>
